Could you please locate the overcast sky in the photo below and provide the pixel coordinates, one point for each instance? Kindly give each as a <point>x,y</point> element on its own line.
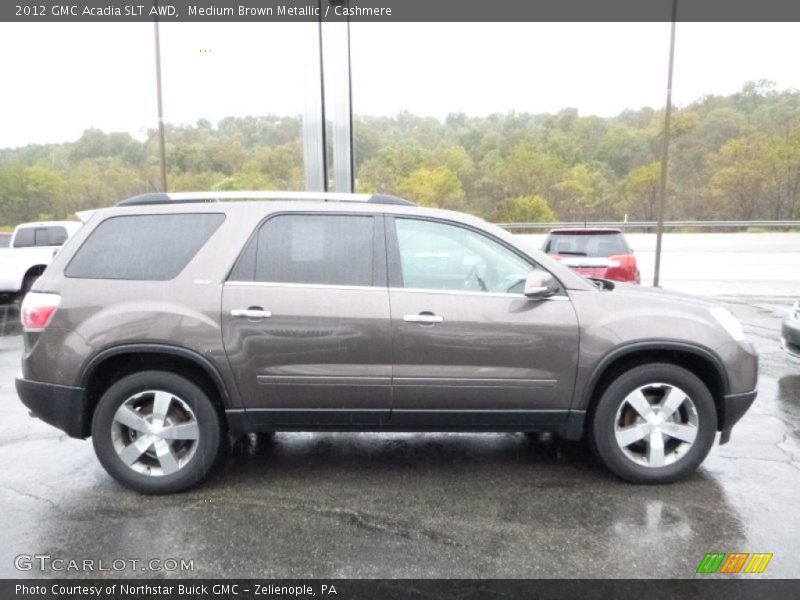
<point>59,79</point>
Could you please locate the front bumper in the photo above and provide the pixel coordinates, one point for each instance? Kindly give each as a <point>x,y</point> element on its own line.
<point>58,405</point>
<point>790,336</point>
<point>731,409</point>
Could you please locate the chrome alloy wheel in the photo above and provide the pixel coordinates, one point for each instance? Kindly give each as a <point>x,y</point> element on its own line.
<point>155,433</point>
<point>656,425</point>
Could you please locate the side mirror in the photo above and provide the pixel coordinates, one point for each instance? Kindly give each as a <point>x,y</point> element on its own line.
<point>540,284</point>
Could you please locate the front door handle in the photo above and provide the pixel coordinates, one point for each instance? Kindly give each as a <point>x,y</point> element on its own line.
<point>254,312</point>
<point>424,318</point>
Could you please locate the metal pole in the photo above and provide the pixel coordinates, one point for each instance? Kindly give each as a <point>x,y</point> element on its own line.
<point>315,158</point>
<point>338,48</point>
<point>662,192</point>
<point>160,108</point>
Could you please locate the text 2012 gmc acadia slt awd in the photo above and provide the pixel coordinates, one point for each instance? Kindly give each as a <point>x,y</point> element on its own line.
<point>171,321</point>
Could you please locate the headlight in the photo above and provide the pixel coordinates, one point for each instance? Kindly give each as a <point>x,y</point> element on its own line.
<point>729,323</point>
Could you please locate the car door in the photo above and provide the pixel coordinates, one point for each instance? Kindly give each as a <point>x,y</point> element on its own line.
<point>467,344</point>
<point>305,320</point>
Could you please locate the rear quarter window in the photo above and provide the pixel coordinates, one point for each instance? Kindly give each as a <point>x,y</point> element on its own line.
<point>143,247</point>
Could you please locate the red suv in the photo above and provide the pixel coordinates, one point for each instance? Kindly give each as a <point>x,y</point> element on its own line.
<point>594,252</point>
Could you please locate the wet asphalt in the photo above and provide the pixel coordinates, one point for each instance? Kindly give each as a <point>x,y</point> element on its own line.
<point>411,505</point>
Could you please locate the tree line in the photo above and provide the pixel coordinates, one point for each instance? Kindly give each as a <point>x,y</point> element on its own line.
<point>731,157</point>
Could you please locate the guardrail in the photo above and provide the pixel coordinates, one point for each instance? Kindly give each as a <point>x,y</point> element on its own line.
<point>653,224</point>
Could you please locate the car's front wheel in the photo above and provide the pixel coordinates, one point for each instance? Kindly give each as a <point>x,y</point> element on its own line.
<point>156,432</point>
<point>654,424</point>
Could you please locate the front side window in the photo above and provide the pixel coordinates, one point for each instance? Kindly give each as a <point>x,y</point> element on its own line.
<point>310,249</point>
<point>440,256</point>
<point>143,247</point>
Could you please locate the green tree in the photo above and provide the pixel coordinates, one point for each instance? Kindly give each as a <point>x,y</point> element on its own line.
<point>438,187</point>
<point>99,182</point>
<point>525,209</point>
<point>245,180</point>
<point>640,192</point>
<point>737,178</point>
<point>29,194</point>
<point>581,193</point>
<point>528,170</point>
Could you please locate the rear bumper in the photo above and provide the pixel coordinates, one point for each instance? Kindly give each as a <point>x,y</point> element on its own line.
<point>731,410</point>
<point>58,405</point>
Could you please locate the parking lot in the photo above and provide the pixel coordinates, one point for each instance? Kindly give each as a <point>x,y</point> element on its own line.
<point>439,505</point>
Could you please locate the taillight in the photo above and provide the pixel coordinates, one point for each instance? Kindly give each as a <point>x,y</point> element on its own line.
<point>624,269</point>
<point>38,309</point>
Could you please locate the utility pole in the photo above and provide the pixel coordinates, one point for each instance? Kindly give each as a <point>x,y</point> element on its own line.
<point>160,108</point>
<point>662,193</point>
<point>315,148</point>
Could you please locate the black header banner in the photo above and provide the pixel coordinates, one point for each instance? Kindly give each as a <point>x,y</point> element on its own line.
<point>389,589</point>
<point>393,11</point>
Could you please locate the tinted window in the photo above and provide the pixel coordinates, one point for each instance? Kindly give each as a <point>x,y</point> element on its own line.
<point>23,238</point>
<point>40,236</point>
<point>143,247</point>
<point>50,236</point>
<point>593,244</point>
<point>441,256</point>
<point>311,249</point>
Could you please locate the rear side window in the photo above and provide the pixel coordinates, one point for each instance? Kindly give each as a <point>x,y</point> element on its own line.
<point>40,236</point>
<point>143,247</point>
<point>310,249</point>
<point>593,244</point>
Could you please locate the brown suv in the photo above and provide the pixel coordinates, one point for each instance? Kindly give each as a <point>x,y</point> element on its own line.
<point>171,321</point>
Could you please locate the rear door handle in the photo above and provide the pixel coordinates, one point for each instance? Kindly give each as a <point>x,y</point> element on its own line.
<point>423,318</point>
<point>251,313</point>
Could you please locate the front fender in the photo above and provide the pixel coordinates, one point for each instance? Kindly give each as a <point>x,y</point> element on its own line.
<point>584,395</point>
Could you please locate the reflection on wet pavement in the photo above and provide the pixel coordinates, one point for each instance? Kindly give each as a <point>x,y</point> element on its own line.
<point>467,505</point>
<point>9,320</point>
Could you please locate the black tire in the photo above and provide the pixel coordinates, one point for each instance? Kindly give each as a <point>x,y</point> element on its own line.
<point>106,433</point>
<point>27,284</point>
<point>605,415</point>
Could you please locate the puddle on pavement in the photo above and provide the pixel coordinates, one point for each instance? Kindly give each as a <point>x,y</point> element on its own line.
<point>9,320</point>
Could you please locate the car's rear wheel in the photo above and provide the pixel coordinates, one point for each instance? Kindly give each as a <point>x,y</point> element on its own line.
<point>156,432</point>
<point>654,424</point>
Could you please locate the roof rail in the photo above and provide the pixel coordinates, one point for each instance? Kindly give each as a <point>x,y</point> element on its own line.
<point>184,197</point>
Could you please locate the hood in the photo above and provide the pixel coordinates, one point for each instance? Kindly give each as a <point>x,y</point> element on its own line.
<point>659,294</point>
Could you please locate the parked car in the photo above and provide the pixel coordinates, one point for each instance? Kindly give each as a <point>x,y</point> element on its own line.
<point>594,252</point>
<point>790,331</point>
<point>5,239</point>
<point>331,312</point>
<point>30,250</point>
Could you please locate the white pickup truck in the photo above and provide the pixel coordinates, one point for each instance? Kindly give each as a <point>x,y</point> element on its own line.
<point>31,249</point>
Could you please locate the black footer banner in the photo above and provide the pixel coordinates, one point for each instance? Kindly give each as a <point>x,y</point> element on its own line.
<point>380,589</point>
